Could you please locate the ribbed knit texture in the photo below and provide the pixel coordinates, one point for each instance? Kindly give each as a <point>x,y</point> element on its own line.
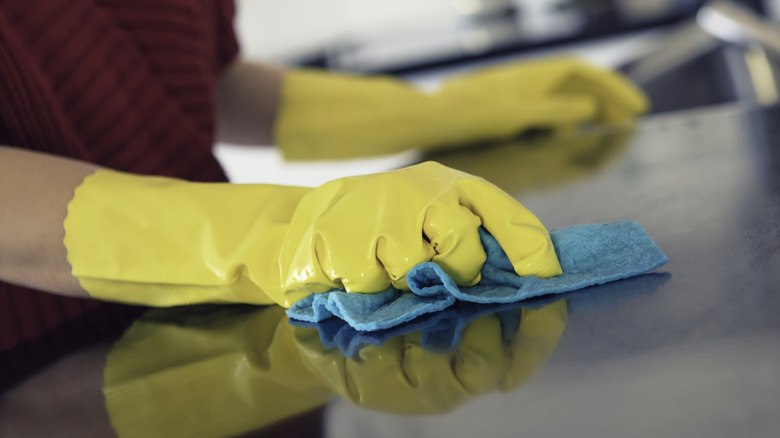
<point>125,84</point>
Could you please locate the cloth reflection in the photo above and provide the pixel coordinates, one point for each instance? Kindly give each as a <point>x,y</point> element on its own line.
<point>222,371</point>
<point>416,374</point>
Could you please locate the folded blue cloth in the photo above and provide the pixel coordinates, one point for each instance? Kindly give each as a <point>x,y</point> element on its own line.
<point>589,255</point>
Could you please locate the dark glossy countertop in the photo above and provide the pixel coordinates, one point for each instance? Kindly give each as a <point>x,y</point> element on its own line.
<point>690,350</point>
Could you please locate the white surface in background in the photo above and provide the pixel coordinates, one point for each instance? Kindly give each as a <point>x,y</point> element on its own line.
<point>265,165</point>
<point>609,53</point>
<point>279,30</point>
<point>274,30</point>
<point>270,30</point>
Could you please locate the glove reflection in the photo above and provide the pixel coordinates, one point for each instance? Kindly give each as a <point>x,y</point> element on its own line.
<point>404,375</point>
<point>207,371</point>
<point>222,371</point>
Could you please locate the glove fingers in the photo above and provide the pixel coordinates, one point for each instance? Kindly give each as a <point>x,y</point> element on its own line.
<point>399,255</point>
<point>373,267</point>
<point>619,99</point>
<point>482,360</point>
<point>520,234</point>
<point>453,232</point>
<point>555,111</point>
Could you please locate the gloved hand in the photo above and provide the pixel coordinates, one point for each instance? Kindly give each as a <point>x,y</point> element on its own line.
<point>205,372</point>
<point>402,377</point>
<point>165,242</point>
<point>325,115</point>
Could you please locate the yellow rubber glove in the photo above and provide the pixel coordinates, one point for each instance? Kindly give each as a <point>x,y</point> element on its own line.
<point>165,242</point>
<point>206,372</point>
<point>401,377</point>
<point>325,115</point>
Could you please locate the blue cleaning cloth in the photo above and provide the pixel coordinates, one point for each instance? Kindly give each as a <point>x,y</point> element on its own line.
<point>441,331</point>
<point>588,254</point>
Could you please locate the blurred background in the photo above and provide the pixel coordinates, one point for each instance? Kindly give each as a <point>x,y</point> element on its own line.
<point>683,53</point>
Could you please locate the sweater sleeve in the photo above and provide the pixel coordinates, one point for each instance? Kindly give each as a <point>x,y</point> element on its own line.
<point>227,43</point>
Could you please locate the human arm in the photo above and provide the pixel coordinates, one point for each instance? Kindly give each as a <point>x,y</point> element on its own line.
<point>35,189</point>
<point>313,114</point>
<point>166,242</point>
<point>247,101</point>
<point>325,116</point>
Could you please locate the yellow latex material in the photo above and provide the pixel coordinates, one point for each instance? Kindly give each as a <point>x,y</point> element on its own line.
<point>165,242</point>
<point>325,115</point>
<point>162,242</point>
<point>207,372</point>
<point>401,377</point>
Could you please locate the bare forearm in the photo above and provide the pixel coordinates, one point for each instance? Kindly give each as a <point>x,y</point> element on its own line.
<point>247,97</point>
<point>34,193</point>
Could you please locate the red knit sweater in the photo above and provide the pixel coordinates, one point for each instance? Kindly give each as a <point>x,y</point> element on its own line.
<point>127,84</point>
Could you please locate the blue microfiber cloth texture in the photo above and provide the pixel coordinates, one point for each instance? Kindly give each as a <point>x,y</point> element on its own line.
<point>588,254</point>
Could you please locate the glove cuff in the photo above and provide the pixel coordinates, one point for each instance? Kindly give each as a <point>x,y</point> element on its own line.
<point>164,242</point>
<point>331,116</point>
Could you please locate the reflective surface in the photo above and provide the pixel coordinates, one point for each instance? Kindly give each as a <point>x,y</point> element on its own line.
<point>690,350</point>
<point>413,35</point>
